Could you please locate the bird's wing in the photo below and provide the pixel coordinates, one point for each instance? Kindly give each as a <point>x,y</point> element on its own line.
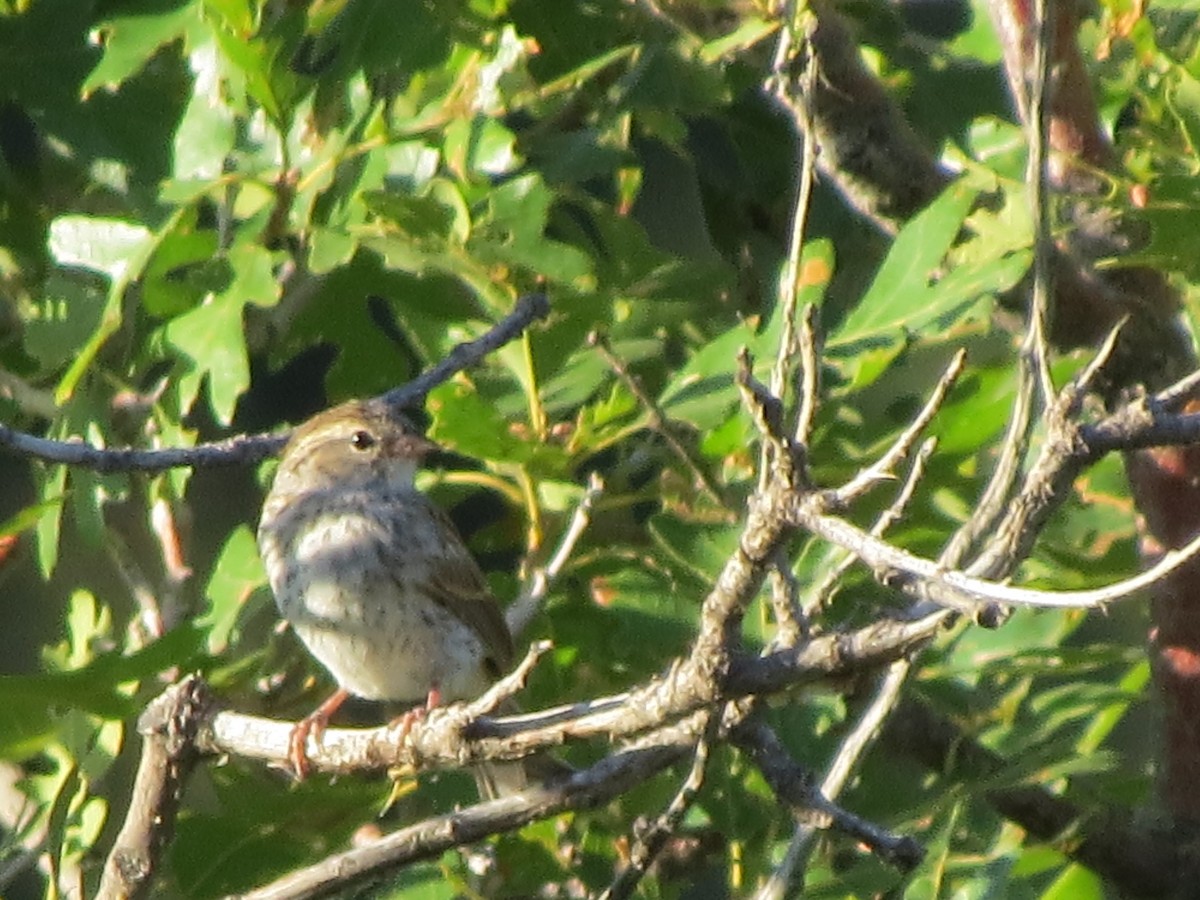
<point>456,582</point>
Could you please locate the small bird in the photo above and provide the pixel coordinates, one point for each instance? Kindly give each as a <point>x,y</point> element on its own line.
<point>374,578</point>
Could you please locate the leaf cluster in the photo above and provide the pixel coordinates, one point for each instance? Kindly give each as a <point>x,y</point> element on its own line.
<point>220,216</point>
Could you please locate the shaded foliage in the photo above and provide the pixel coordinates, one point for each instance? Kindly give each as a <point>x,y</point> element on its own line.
<point>223,215</point>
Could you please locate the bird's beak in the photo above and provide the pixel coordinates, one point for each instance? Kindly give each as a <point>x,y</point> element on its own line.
<point>413,446</point>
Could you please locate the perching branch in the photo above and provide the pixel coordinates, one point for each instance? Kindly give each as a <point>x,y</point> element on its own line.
<point>169,728</point>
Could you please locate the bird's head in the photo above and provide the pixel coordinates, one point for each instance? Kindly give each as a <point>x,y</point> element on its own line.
<point>359,444</point>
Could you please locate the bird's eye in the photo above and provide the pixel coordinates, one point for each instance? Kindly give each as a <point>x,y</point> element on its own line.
<point>362,440</point>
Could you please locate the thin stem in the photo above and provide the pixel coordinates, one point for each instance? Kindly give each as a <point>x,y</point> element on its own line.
<point>655,417</point>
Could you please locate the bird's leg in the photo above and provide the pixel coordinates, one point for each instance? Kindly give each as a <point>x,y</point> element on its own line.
<point>314,723</point>
<point>410,717</point>
<point>404,778</point>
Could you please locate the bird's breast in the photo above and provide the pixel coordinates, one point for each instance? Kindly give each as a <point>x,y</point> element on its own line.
<point>348,574</point>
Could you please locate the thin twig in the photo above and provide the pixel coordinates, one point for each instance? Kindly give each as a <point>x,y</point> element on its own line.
<point>148,625</point>
<point>522,610</point>
<point>30,399</point>
<point>883,468</point>
<point>1037,178</point>
<point>929,580</point>
<point>792,785</point>
<point>824,591</point>
<point>1002,483</point>
<point>850,752</point>
<point>527,310</point>
<point>655,417</point>
<point>1034,360</point>
<point>801,102</point>
<point>767,411</point>
<point>651,841</point>
<point>1173,397</point>
<point>1085,381</point>
<point>854,746</point>
<point>801,108</point>
<point>249,449</point>
<point>511,684</point>
<point>809,387</point>
<point>1066,448</point>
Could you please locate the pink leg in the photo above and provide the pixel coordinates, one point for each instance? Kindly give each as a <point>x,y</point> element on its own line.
<point>406,721</point>
<point>314,723</point>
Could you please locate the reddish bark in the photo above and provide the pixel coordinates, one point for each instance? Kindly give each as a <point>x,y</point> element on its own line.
<point>1165,482</point>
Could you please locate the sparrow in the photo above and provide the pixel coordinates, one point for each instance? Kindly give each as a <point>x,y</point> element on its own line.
<point>374,578</point>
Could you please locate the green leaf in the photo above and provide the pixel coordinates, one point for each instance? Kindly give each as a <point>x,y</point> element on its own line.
<point>53,486</point>
<point>117,248</point>
<point>699,549</point>
<point>598,424</point>
<point>421,218</point>
<point>901,286</point>
<point>29,517</point>
<point>1184,101</point>
<point>184,268</point>
<point>702,391</point>
<point>211,343</point>
<point>237,574</point>
<point>749,32</point>
<point>264,62</point>
<point>466,423</point>
<point>63,318</point>
<point>131,39</point>
<point>253,275</point>
<point>1173,210</point>
<point>103,245</point>
<point>927,880</point>
<point>1076,882</point>
<point>30,705</point>
<point>208,129</point>
<point>480,146</point>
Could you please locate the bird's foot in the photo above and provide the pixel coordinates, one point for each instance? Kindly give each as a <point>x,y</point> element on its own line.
<point>313,724</point>
<point>412,716</point>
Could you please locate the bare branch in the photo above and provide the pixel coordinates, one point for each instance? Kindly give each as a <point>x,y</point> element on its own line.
<point>1085,381</point>
<point>455,735</point>
<point>608,778</point>
<point>1038,124</point>
<point>650,842</point>
<point>1008,466</point>
<point>849,754</point>
<point>883,468</point>
<point>780,459</point>
<point>527,310</point>
<point>1136,426</point>
<point>168,728</point>
<point>795,32</point>
<point>809,389</point>
<point>793,786</point>
<point>511,684</point>
<point>247,450</point>
<point>1174,396</point>
<point>522,610</point>
<point>791,624</point>
<point>824,590</point>
<point>235,451</point>
<point>928,580</point>
<point>654,416</point>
